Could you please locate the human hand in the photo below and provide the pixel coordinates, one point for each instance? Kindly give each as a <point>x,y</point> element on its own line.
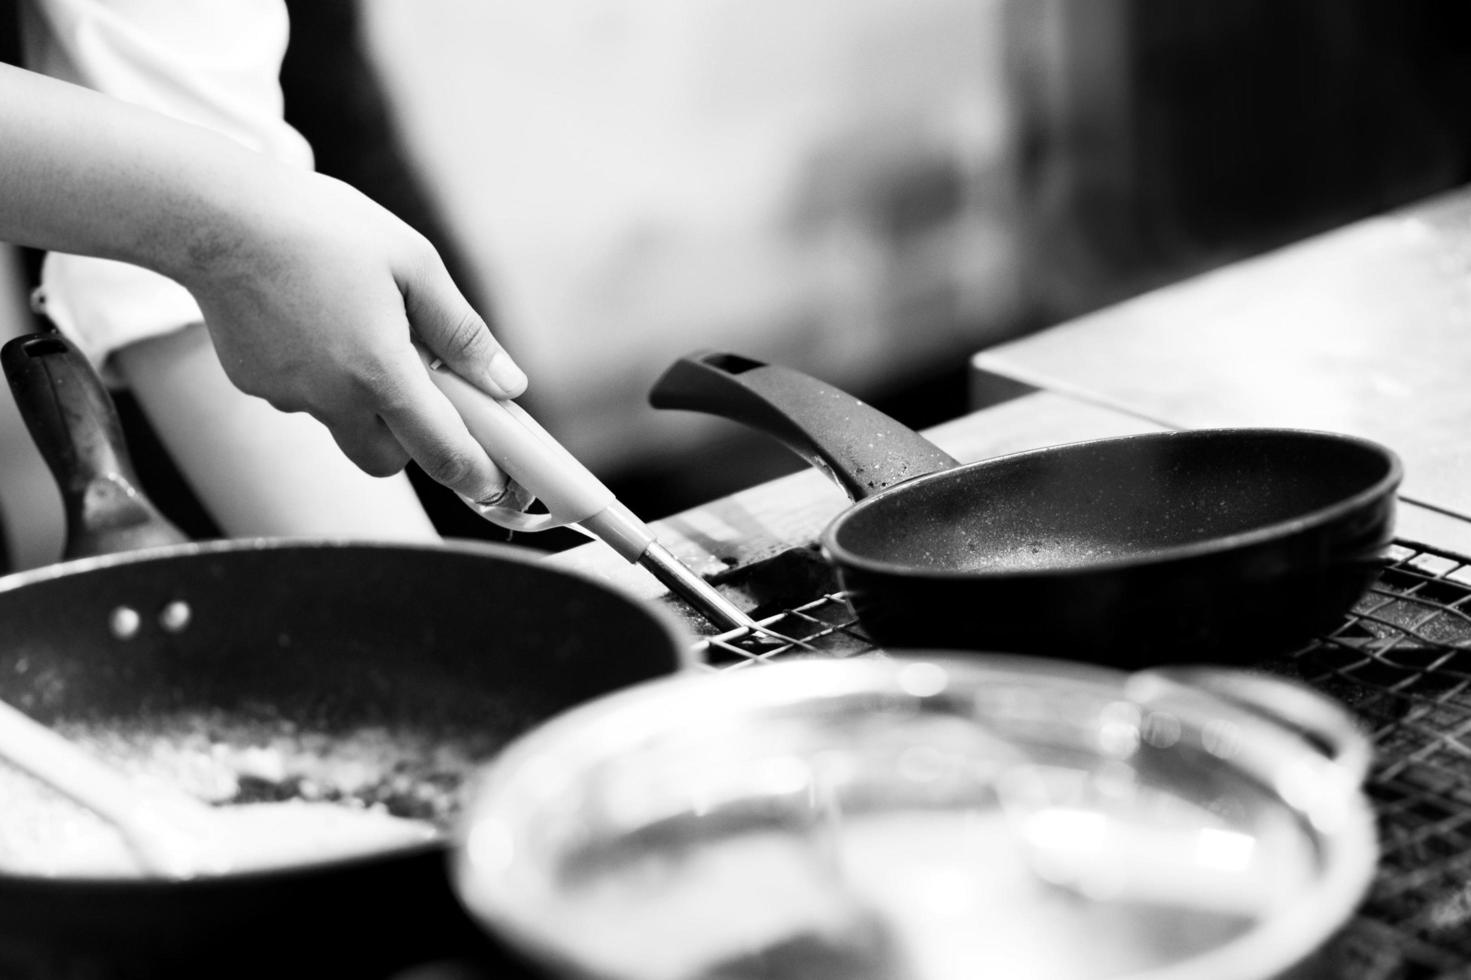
<point>314,296</point>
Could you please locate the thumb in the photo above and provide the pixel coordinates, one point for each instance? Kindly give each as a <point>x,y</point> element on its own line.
<point>450,329</point>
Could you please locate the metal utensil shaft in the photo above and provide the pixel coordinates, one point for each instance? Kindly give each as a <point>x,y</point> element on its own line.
<point>683,582</point>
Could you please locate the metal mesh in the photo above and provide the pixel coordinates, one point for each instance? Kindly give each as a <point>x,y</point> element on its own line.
<point>1401,661</point>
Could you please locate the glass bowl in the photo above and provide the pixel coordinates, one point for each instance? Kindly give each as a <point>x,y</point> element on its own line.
<point>927,816</point>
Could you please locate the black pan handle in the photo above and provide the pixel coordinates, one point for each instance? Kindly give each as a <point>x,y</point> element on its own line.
<point>75,425</point>
<point>860,448</point>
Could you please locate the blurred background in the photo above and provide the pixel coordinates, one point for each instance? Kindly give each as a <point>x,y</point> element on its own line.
<point>869,190</point>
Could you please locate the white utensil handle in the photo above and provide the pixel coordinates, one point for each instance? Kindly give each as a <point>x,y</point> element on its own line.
<point>526,452</point>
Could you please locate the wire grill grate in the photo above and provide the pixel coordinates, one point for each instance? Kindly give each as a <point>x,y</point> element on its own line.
<point>1401,661</point>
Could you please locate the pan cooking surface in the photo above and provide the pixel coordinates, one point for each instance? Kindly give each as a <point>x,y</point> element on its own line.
<point>1401,660</point>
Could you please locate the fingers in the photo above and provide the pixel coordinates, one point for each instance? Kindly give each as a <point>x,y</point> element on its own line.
<point>425,421</point>
<point>371,446</point>
<point>449,327</point>
<point>419,423</point>
<point>422,423</point>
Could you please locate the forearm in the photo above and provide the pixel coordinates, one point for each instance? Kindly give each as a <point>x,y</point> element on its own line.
<point>87,174</point>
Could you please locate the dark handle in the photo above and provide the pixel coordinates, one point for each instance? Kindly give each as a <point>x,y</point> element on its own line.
<point>75,425</point>
<point>860,448</point>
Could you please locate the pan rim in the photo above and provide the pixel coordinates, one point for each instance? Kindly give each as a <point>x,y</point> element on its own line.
<point>679,635</point>
<point>74,566</point>
<point>1384,486</point>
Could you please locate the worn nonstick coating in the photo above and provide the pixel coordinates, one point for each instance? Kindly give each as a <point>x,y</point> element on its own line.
<point>1208,544</point>
<point>453,639</point>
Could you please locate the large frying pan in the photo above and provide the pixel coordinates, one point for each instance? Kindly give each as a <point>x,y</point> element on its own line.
<point>464,640</point>
<point>1211,544</point>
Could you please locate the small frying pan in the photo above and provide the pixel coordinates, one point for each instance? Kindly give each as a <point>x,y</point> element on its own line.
<point>1207,544</point>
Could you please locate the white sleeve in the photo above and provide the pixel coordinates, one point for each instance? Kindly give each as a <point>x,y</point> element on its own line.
<point>216,64</point>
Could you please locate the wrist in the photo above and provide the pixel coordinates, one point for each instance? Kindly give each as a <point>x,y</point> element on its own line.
<point>221,220</point>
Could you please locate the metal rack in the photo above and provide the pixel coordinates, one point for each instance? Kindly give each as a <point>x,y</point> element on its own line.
<point>1401,661</point>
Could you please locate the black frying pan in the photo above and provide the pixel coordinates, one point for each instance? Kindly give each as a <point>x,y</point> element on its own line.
<point>464,641</point>
<point>1210,544</point>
